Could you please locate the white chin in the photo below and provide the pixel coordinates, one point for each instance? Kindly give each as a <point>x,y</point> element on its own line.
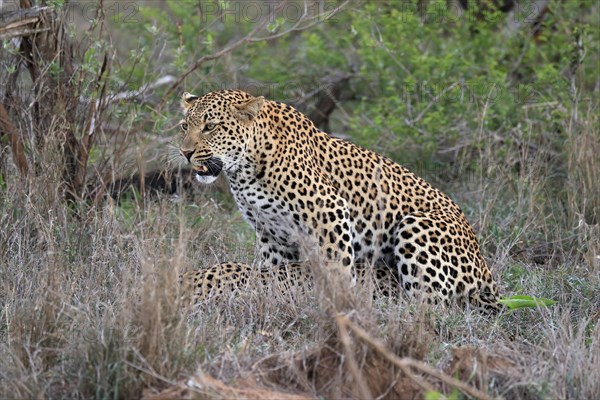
<point>206,179</point>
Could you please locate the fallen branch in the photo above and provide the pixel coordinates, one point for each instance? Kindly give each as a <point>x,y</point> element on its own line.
<point>23,22</point>
<point>327,99</point>
<point>406,364</point>
<point>363,389</point>
<point>155,181</point>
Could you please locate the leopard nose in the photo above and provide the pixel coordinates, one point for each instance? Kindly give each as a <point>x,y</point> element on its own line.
<point>187,154</point>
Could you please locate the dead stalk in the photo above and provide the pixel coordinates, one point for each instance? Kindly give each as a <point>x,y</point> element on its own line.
<point>363,389</point>
<point>406,363</point>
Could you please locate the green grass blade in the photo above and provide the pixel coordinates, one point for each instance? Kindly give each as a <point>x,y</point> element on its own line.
<point>520,301</point>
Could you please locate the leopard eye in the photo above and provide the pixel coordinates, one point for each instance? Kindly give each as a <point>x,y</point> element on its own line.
<point>209,126</point>
<point>184,126</point>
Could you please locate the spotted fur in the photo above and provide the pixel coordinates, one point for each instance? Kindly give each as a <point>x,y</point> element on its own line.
<point>296,184</point>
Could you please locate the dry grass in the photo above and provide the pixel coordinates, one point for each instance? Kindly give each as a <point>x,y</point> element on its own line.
<point>90,301</point>
<point>91,310</point>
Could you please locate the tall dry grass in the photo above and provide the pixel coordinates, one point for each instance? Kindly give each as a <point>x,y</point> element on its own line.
<point>91,302</point>
<point>90,309</point>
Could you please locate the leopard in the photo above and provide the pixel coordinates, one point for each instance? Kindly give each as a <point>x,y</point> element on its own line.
<point>357,210</point>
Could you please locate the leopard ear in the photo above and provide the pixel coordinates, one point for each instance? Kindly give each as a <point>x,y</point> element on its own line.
<point>187,99</point>
<point>248,110</point>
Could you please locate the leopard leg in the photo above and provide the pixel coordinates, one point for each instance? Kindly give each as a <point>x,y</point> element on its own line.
<point>200,285</point>
<point>438,257</point>
<point>220,279</point>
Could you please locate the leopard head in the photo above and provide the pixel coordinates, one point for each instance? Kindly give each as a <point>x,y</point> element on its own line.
<point>216,130</point>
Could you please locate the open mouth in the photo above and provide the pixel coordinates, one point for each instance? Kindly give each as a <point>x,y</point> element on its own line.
<point>211,167</point>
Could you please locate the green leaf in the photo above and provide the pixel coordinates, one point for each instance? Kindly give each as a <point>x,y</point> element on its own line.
<point>433,395</point>
<point>520,301</point>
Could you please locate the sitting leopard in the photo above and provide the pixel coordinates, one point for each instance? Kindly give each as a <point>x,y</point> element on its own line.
<point>296,184</point>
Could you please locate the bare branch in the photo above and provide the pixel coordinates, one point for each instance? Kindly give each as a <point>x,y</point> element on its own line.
<point>250,37</point>
<point>406,363</point>
<point>23,22</point>
<point>363,389</point>
<point>218,54</point>
<point>133,94</point>
<point>298,27</point>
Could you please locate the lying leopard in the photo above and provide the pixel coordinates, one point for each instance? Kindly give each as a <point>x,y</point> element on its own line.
<point>296,184</point>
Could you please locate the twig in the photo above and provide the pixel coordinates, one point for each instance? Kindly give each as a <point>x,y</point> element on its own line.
<point>132,94</point>
<point>22,22</point>
<point>406,363</point>
<point>363,389</point>
<point>148,368</point>
<point>218,54</point>
<point>297,28</point>
<point>250,37</point>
